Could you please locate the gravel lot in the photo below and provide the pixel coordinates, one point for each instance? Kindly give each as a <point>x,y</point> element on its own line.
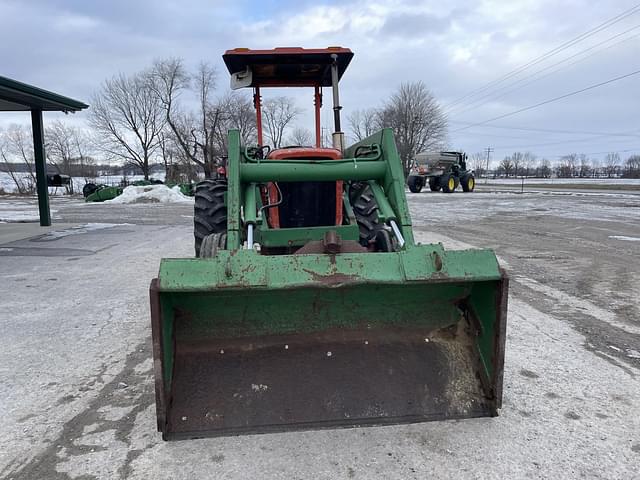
<point>75,367</point>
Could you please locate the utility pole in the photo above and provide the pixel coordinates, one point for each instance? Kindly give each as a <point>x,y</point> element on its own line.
<point>488,150</point>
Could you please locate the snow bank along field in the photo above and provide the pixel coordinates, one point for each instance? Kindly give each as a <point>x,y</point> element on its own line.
<point>76,369</point>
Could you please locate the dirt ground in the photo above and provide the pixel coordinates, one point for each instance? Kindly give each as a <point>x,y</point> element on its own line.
<point>76,370</point>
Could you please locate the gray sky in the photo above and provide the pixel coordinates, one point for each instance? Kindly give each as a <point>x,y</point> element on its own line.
<point>455,47</point>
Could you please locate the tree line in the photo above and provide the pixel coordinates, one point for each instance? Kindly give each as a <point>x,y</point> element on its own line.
<point>572,165</point>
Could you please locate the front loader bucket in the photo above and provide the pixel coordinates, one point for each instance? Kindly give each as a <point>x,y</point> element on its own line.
<point>245,343</point>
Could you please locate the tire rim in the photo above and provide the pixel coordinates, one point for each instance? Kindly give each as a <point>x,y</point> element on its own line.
<point>452,183</point>
<point>471,183</point>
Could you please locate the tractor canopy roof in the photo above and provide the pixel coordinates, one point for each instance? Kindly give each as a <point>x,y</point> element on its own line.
<point>284,67</point>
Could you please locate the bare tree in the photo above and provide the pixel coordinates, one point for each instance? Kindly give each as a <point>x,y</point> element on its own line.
<point>59,145</point>
<point>200,134</point>
<point>479,163</point>
<point>16,150</point>
<point>544,170</point>
<point>585,165</point>
<point>507,165</point>
<point>236,111</point>
<point>278,113</point>
<point>611,164</point>
<point>363,123</point>
<point>517,159</point>
<point>529,162</point>
<point>68,150</point>
<point>632,167</point>
<point>301,136</point>
<point>127,116</point>
<point>417,121</point>
<point>567,166</point>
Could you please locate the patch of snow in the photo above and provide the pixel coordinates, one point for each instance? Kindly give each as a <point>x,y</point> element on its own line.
<point>151,194</point>
<point>627,239</point>
<point>19,212</point>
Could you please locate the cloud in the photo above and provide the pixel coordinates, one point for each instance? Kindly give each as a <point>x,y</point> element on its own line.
<point>411,25</point>
<point>71,46</point>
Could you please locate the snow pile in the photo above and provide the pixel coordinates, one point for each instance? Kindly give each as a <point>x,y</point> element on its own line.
<point>151,194</point>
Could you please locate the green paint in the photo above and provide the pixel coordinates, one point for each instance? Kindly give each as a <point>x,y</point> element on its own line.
<point>300,236</point>
<point>104,193</point>
<point>241,293</point>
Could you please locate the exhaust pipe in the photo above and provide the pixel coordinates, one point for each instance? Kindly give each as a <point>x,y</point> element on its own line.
<point>338,135</point>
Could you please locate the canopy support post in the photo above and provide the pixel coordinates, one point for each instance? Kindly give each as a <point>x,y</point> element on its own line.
<point>41,167</point>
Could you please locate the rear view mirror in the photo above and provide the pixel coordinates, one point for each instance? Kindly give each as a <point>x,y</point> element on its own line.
<point>241,79</point>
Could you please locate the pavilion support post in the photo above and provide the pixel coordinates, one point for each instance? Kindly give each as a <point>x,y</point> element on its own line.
<point>41,167</point>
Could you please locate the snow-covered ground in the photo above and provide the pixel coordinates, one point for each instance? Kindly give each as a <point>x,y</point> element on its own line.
<point>19,210</point>
<point>432,207</point>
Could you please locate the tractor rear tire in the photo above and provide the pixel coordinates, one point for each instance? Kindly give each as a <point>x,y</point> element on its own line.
<point>372,232</point>
<point>210,210</point>
<point>468,183</point>
<point>415,184</point>
<point>434,184</point>
<point>448,183</point>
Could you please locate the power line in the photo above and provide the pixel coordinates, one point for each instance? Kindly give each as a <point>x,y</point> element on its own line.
<point>577,140</point>
<point>530,107</point>
<point>491,95</point>
<point>550,53</point>
<point>608,151</point>
<point>543,130</point>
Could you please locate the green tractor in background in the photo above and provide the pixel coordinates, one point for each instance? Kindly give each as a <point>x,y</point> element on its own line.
<point>442,171</point>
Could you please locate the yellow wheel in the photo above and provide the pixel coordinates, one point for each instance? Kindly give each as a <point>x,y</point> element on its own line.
<point>448,183</point>
<point>468,183</point>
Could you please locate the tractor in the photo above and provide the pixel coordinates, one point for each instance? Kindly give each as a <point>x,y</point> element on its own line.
<point>308,303</point>
<point>442,171</point>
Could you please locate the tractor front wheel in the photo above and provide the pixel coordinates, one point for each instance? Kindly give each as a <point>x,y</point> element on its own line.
<point>468,183</point>
<point>372,233</point>
<point>210,210</point>
<point>448,183</point>
<point>415,184</point>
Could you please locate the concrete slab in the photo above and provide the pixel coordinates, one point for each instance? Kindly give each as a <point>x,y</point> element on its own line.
<point>11,232</point>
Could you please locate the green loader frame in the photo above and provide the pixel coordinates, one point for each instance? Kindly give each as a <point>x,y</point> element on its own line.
<point>276,328</point>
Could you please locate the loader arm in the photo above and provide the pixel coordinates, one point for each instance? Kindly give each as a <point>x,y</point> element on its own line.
<point>309,304</point>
